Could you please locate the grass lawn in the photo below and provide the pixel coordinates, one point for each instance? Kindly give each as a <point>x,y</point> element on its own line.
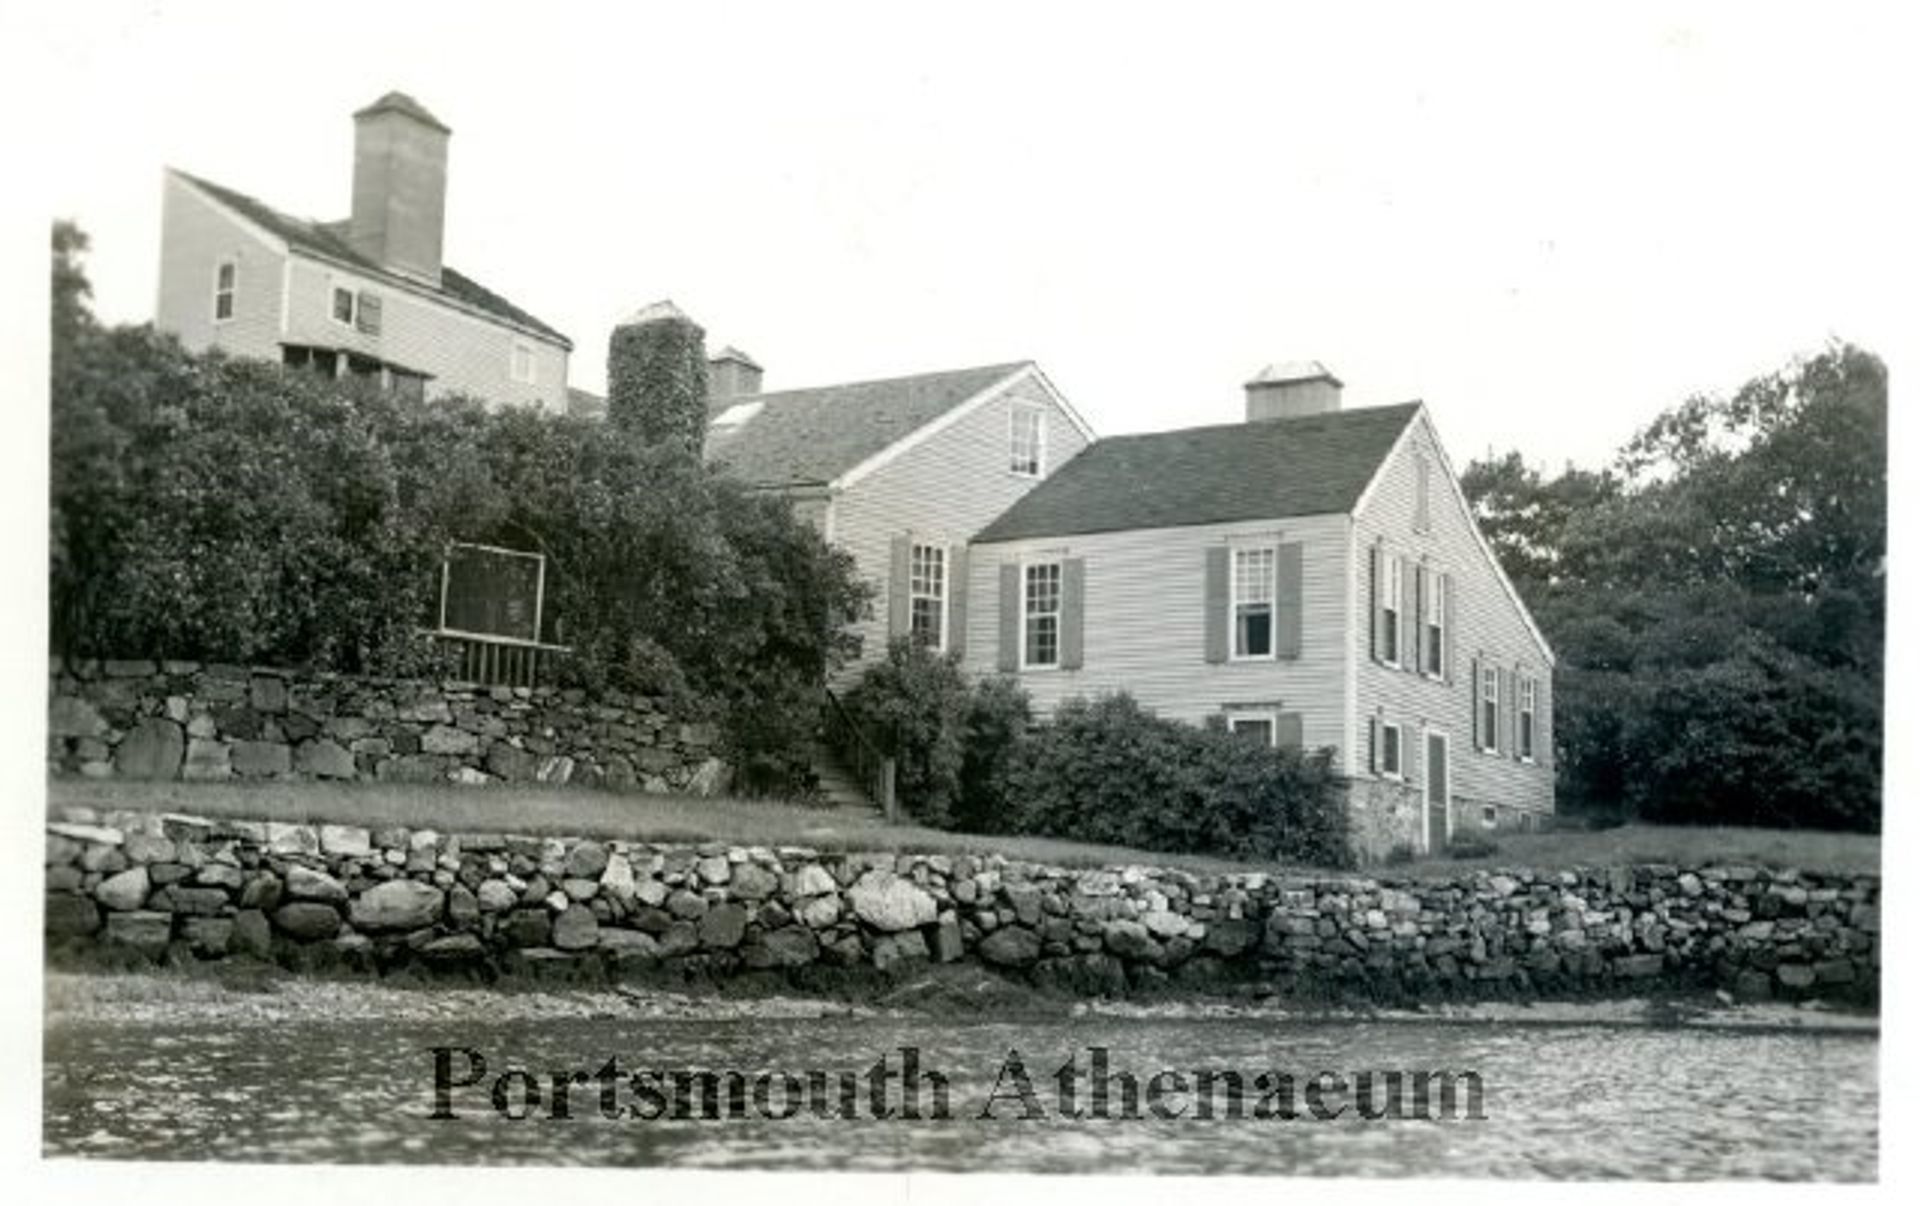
<point>543,811</point>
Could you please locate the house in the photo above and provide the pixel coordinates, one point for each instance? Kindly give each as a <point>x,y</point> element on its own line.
<point>900,472</point>
<point>1311,577</point>
<point>367,296</point>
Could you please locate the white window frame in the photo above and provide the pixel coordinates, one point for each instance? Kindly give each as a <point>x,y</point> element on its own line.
<point>1396,577</point>
<point>1234,602</point>
<point>1270,719</point>
<point>523,350</point>
<point>1526,719</point>
<point>1399,772</point>
<point>231,292</point>
<point>1489,817</point>
<point>333,304</point>
<point>1427,733</point>
<point>936,554</point>
<point>1488,696</point>
<point>1434,639</point>
<point>1028,615</point>
<point>1015,438</point>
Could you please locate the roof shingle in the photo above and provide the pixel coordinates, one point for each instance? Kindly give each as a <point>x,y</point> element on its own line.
<point>1313,465</point>
<point>328,239</point>
<point>809,437</point>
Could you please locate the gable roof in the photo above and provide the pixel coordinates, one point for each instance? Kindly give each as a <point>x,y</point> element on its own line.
<point>811,437</point>
<point>1312,465</point>
<point>328,241</point>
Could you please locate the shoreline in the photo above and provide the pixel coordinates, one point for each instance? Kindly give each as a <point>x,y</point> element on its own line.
<point>162,999</point>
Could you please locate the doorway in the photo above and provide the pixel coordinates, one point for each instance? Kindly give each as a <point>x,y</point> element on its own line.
<point>1439,791</point>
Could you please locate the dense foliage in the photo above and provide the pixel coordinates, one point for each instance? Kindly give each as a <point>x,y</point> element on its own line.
<point>657,381</point>
<point>948,738</point>
<point>231,510</point>
<point>1717,599</point>
<point>1111,771</point>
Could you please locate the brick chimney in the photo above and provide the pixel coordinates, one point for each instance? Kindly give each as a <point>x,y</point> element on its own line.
<point>399,186</point>
<point>731,374</point>
<point>1291,390</point>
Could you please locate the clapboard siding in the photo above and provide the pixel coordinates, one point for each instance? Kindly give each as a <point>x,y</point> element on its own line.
<point>1145,623</point>
<point>1488,625</point>
<point>195,236</point>
<point>942,491</point>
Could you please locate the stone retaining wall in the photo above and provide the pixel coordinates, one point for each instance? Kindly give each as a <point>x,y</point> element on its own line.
<point>185,720</point>
<point>183,888</point>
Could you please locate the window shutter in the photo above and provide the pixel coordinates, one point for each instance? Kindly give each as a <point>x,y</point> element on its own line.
<point>1073,598</point>
<point>1009,617</point>
<point>1450,619</point>
<point>1406,619</point>
<point>1287,621</point>
<point>1373,744</point>
<point>1513,713</point>
<point>1499,742</point>
<point>957,599</point>
<point>1215,600</point>
<point>1479,738</point>
<point>897,587</point>
<point>1373,602</point>
<point>1421,588</point>
<point>1287,731</point>
<point>369,313</point>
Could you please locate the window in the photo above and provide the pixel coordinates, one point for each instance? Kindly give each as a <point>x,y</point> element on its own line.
<point>1434,586</point>
<point>343,305</point>
<point>927,596</point>
<point>1257,727</point>
<point>368,319</point>
<point>1390,751</point>
<point>412,386</point>
<point>1252,603</point>
<point>1040,617</point>
<point>1528,688</point>
<point>1390,610</point>
<point>1027,440</point>
<point>523,363</point>
<point>1489,817</point>
<point>1489,708</point>
<point>225,277</point>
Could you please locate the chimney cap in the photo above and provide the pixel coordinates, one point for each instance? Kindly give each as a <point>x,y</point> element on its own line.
<point>734,354</point>
<point>660,311</point>
<point>400,102</point>
<point>1290,371</point>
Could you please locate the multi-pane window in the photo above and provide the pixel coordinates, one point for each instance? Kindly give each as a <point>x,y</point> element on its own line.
<point>927,596</point>
<point>523,363</point>
<point>1390,610</point>
<point>343,305</point>
<point>1253,603</point>
<point>1528,688</point>
<point>1489,707</point>
<point>1041,616</point>
<point>1027,440</point>
<point>225,278</point>
<point>1390,750</point>
<point>1257,728</point>
<point>1436,612</point>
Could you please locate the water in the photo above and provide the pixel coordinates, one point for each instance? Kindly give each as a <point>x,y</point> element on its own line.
<point>1560,1102</point>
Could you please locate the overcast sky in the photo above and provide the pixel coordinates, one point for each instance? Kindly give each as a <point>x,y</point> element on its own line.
<point>1548,225</point>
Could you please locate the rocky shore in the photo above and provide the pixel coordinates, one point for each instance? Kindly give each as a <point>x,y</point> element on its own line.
<point>176,888</point>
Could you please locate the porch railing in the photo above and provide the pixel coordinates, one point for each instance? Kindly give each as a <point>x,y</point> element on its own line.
<point>872,770</point>
<point>495,661</point>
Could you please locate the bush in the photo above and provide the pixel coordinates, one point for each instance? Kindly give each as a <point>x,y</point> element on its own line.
<point>999,715</point>
<point>1111,771</point>
<point>1473,847</point>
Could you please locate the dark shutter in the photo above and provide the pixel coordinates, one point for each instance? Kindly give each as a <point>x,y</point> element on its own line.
<point>957,599</point>
<point>1513,713</point>
<point>1009,617</point>
<point>1373,744</point>
<point>1287,624</point>
<point>1406,619</point>
<point>369,313</point>
<point>1214,598</point>
<point>897,609</point>
<point>1421,585</point>
<point>1073,599</point>
<point>1479,739</point>
<point>1287,731</point>
<point>1499,742</point>
<point>1447,614</point>
<point>1373,602</point>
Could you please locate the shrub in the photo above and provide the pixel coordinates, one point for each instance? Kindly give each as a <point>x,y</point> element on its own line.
<point>1473,847</point>
<point>914,707</point>
<point>999,715</point>
<point>1111,771</point>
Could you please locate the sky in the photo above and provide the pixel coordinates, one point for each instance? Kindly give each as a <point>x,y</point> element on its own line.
<point>1549,224</point>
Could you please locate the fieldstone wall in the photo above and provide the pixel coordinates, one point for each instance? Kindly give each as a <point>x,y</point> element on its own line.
<point>185,720</point>
<point>183,888</point>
